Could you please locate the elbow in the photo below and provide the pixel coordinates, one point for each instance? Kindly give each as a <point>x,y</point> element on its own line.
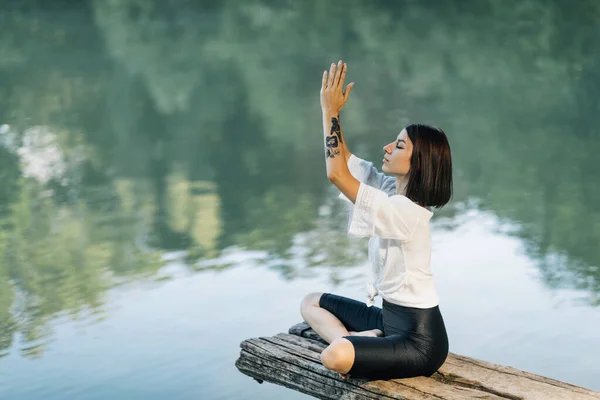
<point>333,177</point>
<point>338,176</point>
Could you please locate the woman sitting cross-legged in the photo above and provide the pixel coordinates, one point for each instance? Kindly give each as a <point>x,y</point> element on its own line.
<point>407,336</point>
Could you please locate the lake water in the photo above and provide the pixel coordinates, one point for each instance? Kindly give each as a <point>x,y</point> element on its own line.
<point>163,192</point>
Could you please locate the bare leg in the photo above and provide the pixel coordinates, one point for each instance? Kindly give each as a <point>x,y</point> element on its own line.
<point>327,325</point>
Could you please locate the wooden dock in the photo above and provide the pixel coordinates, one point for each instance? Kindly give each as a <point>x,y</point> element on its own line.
<point>292,360</point>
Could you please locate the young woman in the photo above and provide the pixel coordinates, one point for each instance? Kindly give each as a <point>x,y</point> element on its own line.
<point>407,337</point>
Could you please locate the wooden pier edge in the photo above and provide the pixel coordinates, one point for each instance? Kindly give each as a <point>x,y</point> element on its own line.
<point>293,360</point>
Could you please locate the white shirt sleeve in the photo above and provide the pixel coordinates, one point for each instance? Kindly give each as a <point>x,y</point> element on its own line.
<point>365,172</point>
<point>374,213</point>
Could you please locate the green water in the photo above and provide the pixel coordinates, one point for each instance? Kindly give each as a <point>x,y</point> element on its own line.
<point>163,192</point>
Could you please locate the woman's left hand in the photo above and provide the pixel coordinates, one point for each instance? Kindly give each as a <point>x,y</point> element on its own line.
<point>333,98</point>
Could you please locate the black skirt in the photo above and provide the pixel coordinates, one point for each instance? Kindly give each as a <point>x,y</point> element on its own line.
<point>415,342</point>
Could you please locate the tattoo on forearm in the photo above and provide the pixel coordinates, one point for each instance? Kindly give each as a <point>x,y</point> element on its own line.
<point>331,141</point>
<point>331,153</point>
<point>335,128</point>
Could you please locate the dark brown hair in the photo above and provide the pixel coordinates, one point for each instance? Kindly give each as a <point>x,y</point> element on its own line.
<point>430,175</point>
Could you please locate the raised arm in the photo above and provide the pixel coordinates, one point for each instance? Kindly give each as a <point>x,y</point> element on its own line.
<point>332,101</point>
<point>343,141</point>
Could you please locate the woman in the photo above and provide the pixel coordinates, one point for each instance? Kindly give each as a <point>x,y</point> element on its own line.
<point>407,336</point>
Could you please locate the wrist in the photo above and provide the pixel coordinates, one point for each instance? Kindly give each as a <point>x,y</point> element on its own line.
<point>330,112</point>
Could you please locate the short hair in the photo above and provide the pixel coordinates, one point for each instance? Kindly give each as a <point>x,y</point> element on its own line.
<point>430,174</point>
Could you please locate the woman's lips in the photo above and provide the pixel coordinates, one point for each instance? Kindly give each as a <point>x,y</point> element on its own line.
<point>384,160</point>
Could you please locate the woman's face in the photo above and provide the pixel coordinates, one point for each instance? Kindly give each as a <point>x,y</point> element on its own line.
<point>396,160</point>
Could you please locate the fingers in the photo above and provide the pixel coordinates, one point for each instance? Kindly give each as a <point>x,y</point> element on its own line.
<point>348,90</point>
<point>333,79</point>
<point>331,75</point>
<point>341,74</point>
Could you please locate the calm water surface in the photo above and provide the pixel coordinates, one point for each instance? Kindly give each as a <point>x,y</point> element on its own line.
<point>163,193</point>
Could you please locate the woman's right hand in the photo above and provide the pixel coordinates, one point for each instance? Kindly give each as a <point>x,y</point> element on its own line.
<point>333,98</point>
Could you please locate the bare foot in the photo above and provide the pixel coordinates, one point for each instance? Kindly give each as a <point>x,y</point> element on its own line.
<point>373,333</point>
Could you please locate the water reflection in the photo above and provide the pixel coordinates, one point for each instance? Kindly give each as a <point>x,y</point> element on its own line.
<point>144,128</point>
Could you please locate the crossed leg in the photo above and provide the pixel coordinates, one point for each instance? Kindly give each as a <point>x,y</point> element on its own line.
<point>339,355</point>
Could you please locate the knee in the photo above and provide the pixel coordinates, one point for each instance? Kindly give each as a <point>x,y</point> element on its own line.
<point>338,356</point>
<point>310,300</point>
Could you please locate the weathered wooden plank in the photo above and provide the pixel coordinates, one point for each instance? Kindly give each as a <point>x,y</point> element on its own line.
<point>499,378</point>
<point>263,360</point>
<point>293,360</point>
<point>267,360</point>
<point>285,354</point>
<point>425,385</point>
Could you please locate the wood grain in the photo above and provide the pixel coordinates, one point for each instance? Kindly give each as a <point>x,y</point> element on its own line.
<point>293,360</point>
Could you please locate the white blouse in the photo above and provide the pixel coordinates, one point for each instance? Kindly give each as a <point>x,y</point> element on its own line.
<point>400,239</point>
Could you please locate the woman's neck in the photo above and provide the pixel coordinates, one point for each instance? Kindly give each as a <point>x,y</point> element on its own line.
<point>401,183</point>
